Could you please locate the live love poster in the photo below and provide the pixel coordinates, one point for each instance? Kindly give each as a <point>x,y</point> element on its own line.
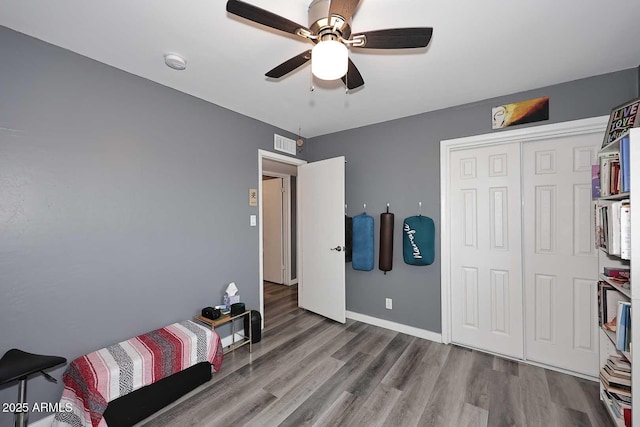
<point>623,118</point>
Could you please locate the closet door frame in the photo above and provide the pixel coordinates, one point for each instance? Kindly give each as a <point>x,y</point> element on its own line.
<point>528,134</point>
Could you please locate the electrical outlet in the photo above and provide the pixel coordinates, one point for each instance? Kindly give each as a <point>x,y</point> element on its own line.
<point>388,303</point>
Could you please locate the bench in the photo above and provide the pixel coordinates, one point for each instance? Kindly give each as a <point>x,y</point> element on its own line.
<point>124,383</point>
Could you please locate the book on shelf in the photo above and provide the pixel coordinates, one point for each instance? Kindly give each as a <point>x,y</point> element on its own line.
<point>598,231</point>
<point>602,317</point>
<point>625,229</point>
<point>626,400</point>
<point>609,299</point>
<point>625,164</point>
<point>617,272</point>
<point>605,173</point>
<point>620,376</point>
<point>614,228</point>
<point>620,281</point>
<point>627,417</point>
<point>612,387</point>
<point>614,177</point>
<point>595,181</point>
<point>623,330</point>
<point>619,363</point>
<point>603,224</point>
<point>621,405</point>
<point>615,382</point>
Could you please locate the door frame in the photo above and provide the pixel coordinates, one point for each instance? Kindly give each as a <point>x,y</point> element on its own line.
<point>264,154</point>
<point>529,134</point>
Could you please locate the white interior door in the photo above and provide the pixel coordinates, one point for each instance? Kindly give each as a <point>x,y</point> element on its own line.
<point>486,272</point>
<point>321,228</point>
<point>272,218</point>
<point>560,268</point>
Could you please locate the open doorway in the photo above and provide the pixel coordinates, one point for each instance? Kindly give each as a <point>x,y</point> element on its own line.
<point>277,223</point>
<point>277,206</point>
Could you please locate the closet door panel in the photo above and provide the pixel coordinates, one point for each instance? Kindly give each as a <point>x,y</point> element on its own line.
<point>486,285</point>
<point>560,272</point>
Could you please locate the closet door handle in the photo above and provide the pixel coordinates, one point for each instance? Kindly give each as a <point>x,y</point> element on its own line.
<point>338,248</point>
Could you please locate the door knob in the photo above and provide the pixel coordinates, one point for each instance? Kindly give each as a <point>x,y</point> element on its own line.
<point>338,248</point>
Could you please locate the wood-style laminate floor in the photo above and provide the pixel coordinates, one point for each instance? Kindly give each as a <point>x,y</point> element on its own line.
<point>308,370</point>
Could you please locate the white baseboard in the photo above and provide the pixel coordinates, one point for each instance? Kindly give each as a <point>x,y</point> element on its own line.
<point>398,327</point>
<point>44,422</point>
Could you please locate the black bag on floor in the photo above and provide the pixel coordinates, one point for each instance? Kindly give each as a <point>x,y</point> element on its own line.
<point>256,326</point>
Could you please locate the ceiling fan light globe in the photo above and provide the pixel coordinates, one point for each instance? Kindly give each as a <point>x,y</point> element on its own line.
<point>329,60</point>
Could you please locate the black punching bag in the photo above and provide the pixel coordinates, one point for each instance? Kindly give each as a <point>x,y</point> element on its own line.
<point>385,261</point>
<point>256,326</point>
<point>348,238</point>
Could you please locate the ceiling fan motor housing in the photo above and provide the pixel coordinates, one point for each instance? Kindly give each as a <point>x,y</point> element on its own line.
<point>322,24</point>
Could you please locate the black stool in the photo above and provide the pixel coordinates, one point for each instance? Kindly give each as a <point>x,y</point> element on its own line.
<point>18,365</point>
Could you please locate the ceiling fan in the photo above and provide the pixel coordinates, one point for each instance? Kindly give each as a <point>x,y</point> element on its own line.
<point>330,30</point>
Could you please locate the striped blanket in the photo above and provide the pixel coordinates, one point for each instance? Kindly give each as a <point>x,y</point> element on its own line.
<point>95,379</point>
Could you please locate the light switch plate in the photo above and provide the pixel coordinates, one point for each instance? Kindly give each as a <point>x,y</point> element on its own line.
<point>252,221</point>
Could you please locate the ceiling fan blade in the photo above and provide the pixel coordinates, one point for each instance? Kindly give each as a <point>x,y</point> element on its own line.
<point>353,79</point>
<point>344,8</point>
<point>264,17</point>
<point>290,65</point>
<point>396,38</point>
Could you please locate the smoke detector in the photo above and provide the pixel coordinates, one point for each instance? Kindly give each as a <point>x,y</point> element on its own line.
<point>175,61</point>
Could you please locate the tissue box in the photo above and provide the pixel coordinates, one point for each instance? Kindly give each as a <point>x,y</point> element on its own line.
<point>230,299</point>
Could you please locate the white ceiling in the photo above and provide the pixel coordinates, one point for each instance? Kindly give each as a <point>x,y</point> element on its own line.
<point>479,50</point>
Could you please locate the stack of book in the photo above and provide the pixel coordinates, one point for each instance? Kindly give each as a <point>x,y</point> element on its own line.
<point>616,379</point>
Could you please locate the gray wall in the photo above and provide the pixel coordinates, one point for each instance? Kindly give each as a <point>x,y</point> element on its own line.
<point>123,205</point>
<point>398,162</point>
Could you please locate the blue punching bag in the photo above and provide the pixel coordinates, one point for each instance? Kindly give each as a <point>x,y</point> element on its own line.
<point>362,250</point>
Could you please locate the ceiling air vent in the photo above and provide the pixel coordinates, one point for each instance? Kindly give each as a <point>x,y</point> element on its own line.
<point>286,145</point>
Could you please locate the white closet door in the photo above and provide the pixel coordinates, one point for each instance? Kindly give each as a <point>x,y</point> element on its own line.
<point>560,262</point>
<point>486,273</point>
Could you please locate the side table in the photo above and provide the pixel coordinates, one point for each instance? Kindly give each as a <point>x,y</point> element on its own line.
<point>226,318</point>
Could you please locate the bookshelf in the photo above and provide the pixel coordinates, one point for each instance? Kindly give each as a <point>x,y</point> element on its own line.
<point>618,244</point>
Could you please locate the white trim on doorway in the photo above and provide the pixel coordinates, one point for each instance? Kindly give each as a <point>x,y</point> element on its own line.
<point>263,154</point>
<point>534,133</point>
